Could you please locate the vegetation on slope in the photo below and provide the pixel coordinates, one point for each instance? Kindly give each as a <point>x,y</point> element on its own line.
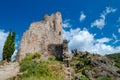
<point>79,64</point>
<point>34,68</point>
<point>115,57</point>
<point>83,65</point>
<point>92,66</point>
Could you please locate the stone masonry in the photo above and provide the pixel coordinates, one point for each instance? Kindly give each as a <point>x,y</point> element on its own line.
<point>41,36</point>
<point>66,60</point>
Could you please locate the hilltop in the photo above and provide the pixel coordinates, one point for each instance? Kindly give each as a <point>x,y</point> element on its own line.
<point>83,66</point>
<point>94,66</point>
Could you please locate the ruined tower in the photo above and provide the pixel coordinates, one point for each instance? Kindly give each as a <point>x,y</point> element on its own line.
<point>66,59</point>
<point>41,35</point>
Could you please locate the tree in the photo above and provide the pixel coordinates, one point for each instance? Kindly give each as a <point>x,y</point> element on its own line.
<point>9,46</point>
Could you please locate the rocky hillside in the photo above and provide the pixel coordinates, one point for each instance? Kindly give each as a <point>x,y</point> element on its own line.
<point>8,70</point>
<point>93,67</point>
<point>83,66</point>
<point>115,57</point>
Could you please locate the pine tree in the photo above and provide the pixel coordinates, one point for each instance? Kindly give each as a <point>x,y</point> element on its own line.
<point>9,46</point>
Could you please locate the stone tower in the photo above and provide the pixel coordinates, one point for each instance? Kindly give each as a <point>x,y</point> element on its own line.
<point>66,59</point>
<point>41,35</point>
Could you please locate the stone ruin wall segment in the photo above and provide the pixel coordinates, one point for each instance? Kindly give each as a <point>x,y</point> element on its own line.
<point>40,35</point>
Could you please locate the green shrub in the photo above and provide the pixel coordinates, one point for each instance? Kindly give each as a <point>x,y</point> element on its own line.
<point>84,77</point>
<point>52,58</point>
<point>31,57</point>
<point>118,65</point>
<point>104,78</point>
<point>88,67</point>
<point>79,65</point>
<point>40,70</point>
<point>115,57</point>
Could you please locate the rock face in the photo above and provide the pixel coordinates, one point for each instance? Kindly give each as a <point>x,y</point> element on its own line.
<point>42,37</point>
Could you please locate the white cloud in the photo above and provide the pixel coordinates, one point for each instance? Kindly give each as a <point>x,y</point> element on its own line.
<point>3,36</point>
<point>13,57</point>
<point>82,16</point>
<point>103,40</point>
<point>66,23</point>
<point>114,36</point>
<point>66,35</point>
<point>118,30</point>
<point>109,10</point>
<point>81,40</point>
<point>115,39</point>
<point>85,41</point>
<point>69,34</point>
<point>100,23</point>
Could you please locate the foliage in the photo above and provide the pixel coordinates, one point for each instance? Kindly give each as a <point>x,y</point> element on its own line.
<point>115,57</point>
<point>31,56</point>
<point>52,58</point>
<point>84,77</point>
<point>9,46</point>
<point>33,69</point>
<point>104,78</point>
<point>80,63</point>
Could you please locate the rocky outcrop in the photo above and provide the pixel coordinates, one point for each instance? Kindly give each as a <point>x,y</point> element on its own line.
<point>42,37</point>
<point>8,70</point>
<point>93,66</point>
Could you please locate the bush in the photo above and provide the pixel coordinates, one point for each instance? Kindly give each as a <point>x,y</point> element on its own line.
<point>104,78</point>
<point>79,65</point>
<point>115,57</point>
<point>31,57</point>
<point>84,77</point>
<point>40,70</point>
<point>118,65</point>
<point>52,58</point>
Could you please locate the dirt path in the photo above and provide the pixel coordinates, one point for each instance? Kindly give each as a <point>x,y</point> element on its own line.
<point>9,70</point>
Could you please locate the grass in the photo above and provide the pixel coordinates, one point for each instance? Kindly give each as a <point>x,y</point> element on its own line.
<point>104,78</point>
<point>42,78</point>
<point>116,58</point>
<point>33,68</point>
<point>83,77</point>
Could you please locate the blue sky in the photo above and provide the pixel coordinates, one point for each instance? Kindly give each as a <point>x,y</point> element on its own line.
<point>90,25</point>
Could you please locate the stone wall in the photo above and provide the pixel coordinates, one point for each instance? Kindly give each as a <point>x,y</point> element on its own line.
<point>41,35</point>
<point>66,59</point>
